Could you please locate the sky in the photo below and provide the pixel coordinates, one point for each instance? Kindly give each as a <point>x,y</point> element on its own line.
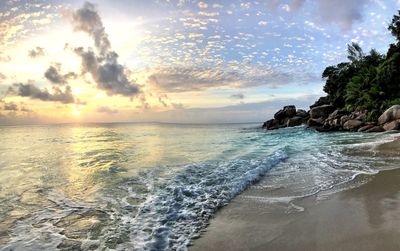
<point>175,61</point>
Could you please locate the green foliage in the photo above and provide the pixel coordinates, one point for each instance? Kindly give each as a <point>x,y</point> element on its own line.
<point>389,76</point>
<point>389,103</point>
<point>394,26</point>
<point>354,52</point>
<point>368,81</point>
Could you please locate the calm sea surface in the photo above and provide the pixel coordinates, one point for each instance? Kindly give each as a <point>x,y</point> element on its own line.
<point>155,186</point>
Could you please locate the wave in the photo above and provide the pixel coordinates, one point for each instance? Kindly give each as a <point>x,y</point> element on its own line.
<point>177,213</point>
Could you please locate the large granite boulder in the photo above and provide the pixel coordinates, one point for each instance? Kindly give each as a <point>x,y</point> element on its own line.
<point>321,111</point>
<point>393,113</point>
<point>376,129</point>
<point>352,124</point>
<point>390,126</point>
<point>365,128</point>
<point>344,119</point>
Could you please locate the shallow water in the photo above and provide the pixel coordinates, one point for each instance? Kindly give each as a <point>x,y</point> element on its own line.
<point>155,186</point>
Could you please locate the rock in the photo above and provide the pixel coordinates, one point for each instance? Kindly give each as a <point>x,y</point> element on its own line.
<point>321,111</point>
<point>290,111</point>
<point>393,113</point>
<point>316,122</point>
<point>344,119</point>
<point>376,129</point>
<point>336,123</point>
<point>302,114</point>
<point>267,124</point>
<point>323,129</point>
<point>287,112</point>
<point>273,124</point>
<point>352,124</point>
<point>365,128</point>
<point>394,125</point>
<point>362,117</point>
<point>295,121</point>
<point>334,114</point>
<point>280,115</point>
<point>321,101</point>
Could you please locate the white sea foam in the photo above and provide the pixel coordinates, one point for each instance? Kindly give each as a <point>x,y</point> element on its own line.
<point>176,214</point>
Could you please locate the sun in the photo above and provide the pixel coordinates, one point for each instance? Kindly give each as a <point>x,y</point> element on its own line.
<point>76,112</point>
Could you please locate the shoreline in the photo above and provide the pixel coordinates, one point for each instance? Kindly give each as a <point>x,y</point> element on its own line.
<point>364,217</point>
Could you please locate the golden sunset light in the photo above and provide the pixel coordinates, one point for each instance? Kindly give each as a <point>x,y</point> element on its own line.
<point>200,125</point>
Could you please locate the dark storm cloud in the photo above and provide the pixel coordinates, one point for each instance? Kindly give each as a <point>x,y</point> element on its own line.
<point>36,52</point>
<point>33,92</point>
<point>54,76</point>
<point>103,66</point>
<point>105,109</point>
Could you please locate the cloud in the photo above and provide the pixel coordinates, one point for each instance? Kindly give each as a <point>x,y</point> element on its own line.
<point>105,109</point>
<point>239,113</point>
<point>296,5</point>
<point>36,52</point>
<point>2,77</point>
<point>186,79</point>
<point>340,13</point>
<point>33,92</point>
<point>87,19</point>
<point>108,74</point>
<point>10,106</point>
<point>4,58</point>
<point>55,77</point>
<point>237,96</point>
<point>102,65</point>
<point>333,11</point>
<point>263,23</point>
<point>202,5</point>
<point>178,79</point>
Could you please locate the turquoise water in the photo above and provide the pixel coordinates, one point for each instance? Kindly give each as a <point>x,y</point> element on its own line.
<point>155,186</point>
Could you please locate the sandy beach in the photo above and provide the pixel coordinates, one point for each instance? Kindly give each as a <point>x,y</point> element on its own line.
<point>365,217</point>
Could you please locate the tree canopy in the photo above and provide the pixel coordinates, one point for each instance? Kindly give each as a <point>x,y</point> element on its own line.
<point>368,81</point>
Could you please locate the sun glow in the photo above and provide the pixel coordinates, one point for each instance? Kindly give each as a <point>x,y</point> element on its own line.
<point>76,112</point>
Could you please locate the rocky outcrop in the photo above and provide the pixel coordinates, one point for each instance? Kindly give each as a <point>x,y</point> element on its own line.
<point>393,125</point>
<point>326,118</point>
<point>365,128</point>
<point>376,129</point>
<point>287,117</point>
<point>322,111</point>
<point>287,112</point>
<point>295,121</point>
<point>352,125</point>
<point>391,114</point>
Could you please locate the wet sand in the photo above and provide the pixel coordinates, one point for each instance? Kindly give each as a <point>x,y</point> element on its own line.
<point>366,217</point>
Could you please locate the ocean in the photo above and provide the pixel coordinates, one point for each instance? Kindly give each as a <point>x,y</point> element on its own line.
<point>156,186</point>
